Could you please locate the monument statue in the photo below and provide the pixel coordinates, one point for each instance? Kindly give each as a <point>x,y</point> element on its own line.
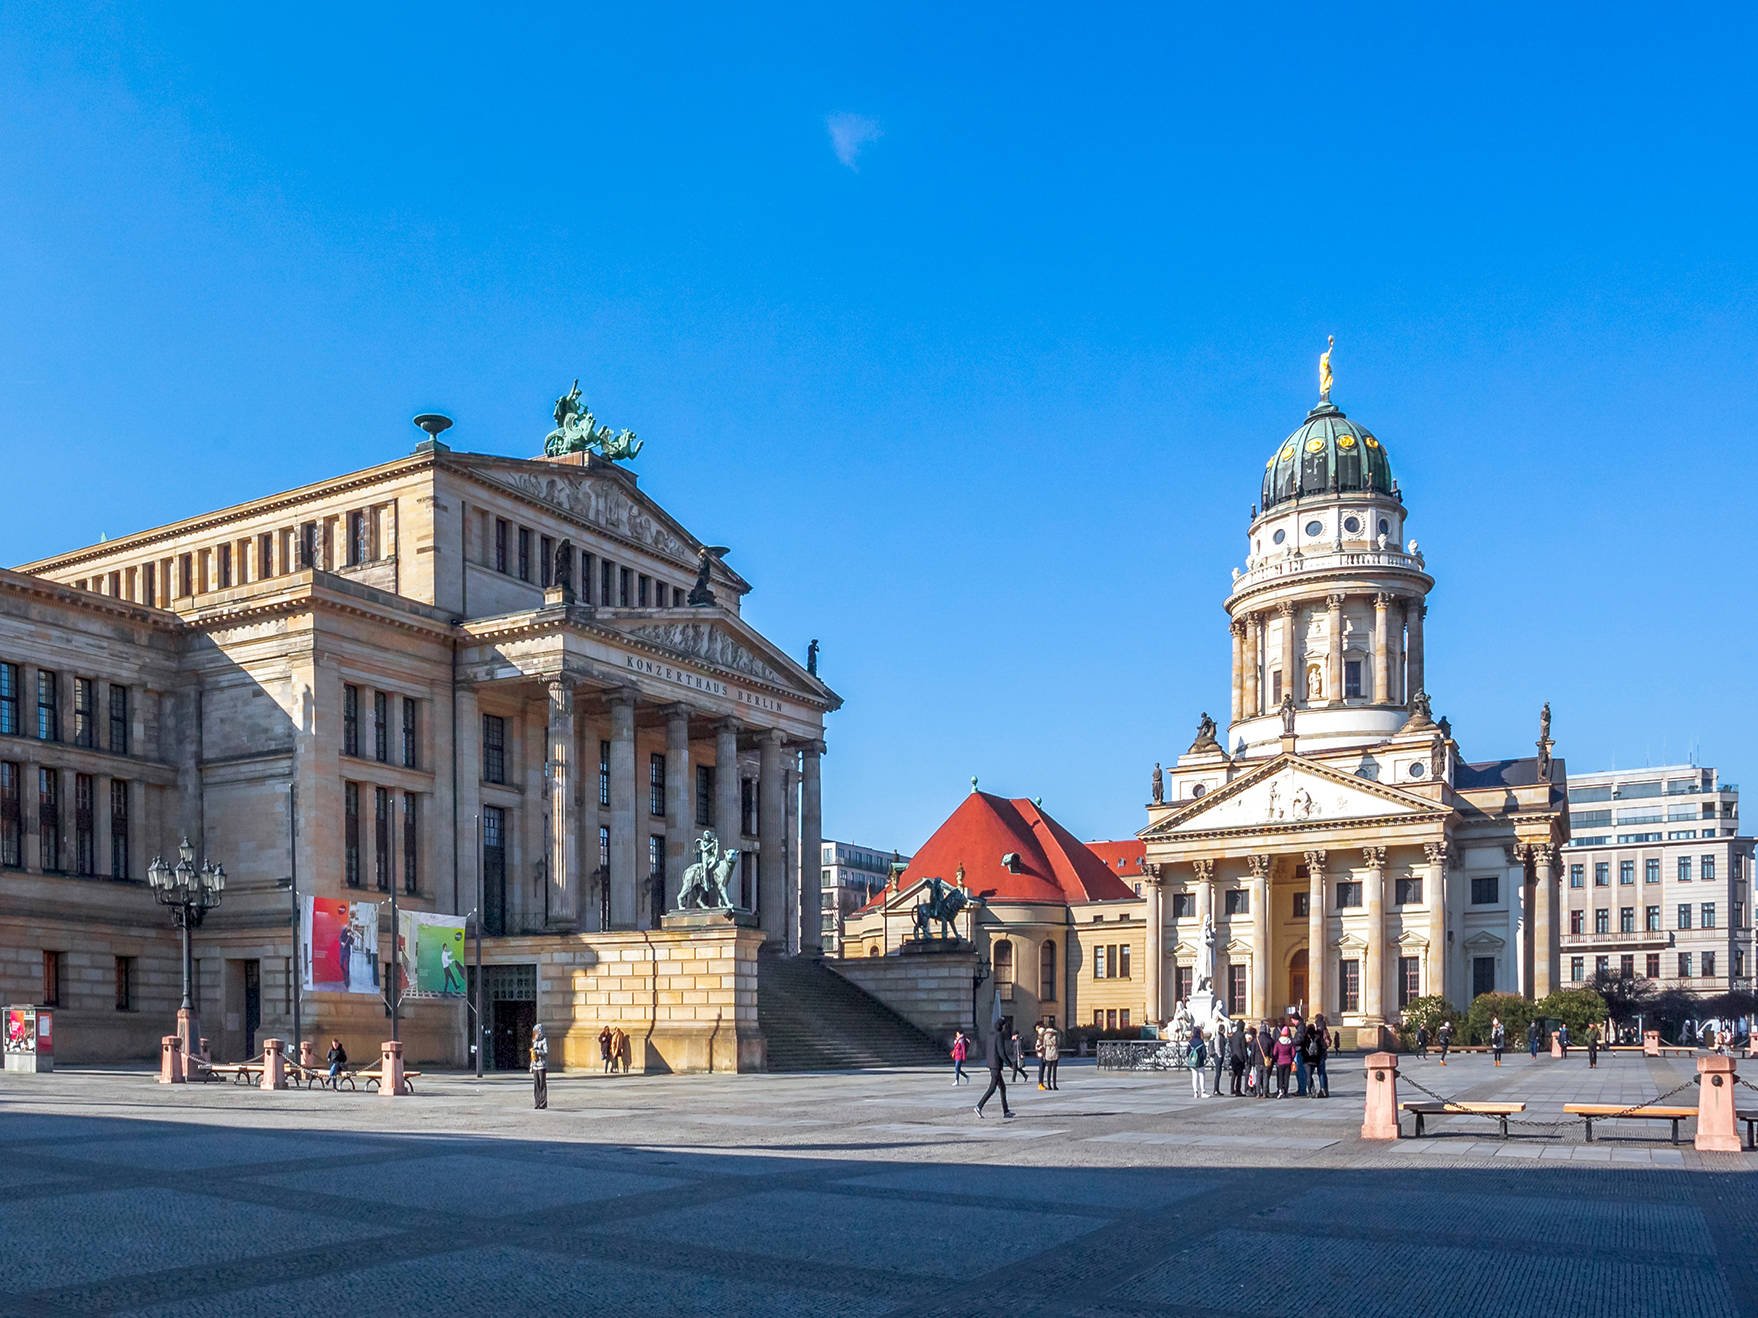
<point>1324,369</point>
<point>1205,965</point>
<point>706,882</point>
<point>1159,784</point>
<point>1421,714</point>
<point>701,593</point>
<point>562,571</point>
<point>812,657</point>
<point>940,903</point>
<point>1544,722</point>
<point>1205,734</point>
<point>1287,713</point>
<point>577,430</point>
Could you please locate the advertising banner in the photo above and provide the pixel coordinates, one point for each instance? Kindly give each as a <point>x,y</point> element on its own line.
<point>430,954</point>
<point>339,946</point>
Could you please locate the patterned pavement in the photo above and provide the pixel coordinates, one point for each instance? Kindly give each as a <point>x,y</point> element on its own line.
<point>869,1193</point>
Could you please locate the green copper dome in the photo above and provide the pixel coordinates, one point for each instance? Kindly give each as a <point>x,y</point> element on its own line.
<point>1328,454</point>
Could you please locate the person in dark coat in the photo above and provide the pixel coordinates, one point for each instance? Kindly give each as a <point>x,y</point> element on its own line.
<point>1238,1053</point>
<point>1016,1056</point>
<point>1318,1050</point>
<point>995,1054</point>
<point>1532,1038</point>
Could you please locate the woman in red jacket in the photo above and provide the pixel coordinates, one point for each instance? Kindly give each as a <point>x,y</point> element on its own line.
<point>1284,1051</point>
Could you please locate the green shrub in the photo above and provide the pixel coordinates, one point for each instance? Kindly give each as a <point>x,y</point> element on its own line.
<point>1514,1010</point>
<point>1577,1008</point>
<point>1430,1012</point>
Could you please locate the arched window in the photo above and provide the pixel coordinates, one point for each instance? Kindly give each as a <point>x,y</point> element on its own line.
<point>1047,972</point>
<point>872,951</point>
<point>1003,959</point>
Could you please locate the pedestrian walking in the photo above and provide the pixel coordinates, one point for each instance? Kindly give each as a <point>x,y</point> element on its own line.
<point>1038,1048</point>
<point>1563,1040</point>
<point>337,1057</point>
<point>1284,1054</point>
<point>619,1050</point>
<point>1238,1052</point>
<point>1422,1042</point>
<point>1497,1038</point>
<point>995,1054</point>
<point>604,1050</point>
<point>1197,1058</point>
<point>1592,1047</point>
<point>539,1068</point>
<point>961,1049</point>
<point>1446,1039</point>
<point>1052,1053</point>
<point>1318,1049</point>
<point>1532,1039</point>
<point>1016,1056</point>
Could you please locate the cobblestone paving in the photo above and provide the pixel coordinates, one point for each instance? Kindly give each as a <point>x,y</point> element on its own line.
<point>856,1194</point>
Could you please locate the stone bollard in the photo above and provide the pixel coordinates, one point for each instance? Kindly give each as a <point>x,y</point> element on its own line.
<point>274,1065</point>
<point>390,1069</point>
<point>1716,1132</point>
<point>170,1060</point>
<point>1380,1119</point>
<point>308,1054</point>
<point>1556,1044</point>
<point>1651,1043</point>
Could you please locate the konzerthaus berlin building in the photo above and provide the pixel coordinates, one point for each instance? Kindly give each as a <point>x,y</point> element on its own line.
<point>479,679</point>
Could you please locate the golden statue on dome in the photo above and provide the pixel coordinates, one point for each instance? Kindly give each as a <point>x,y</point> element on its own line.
<point>1324,369</point>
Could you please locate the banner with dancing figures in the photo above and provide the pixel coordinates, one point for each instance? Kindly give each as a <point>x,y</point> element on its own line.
<point>338,944</point>
<point>430,954</point>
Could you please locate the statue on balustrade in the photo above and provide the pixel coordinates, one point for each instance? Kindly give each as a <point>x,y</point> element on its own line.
<point>707,882</point>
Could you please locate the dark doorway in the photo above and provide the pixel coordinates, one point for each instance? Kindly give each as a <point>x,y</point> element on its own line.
<point>512,1034</point>
<point>252,1005</point>
<point>1297,980</point>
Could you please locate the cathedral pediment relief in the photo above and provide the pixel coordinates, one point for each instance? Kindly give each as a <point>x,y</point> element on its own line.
<point>708,643</point>
<point>1291,793</point>
<point>597,501</point>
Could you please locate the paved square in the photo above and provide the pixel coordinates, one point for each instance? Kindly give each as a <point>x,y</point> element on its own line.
<point>874,1193</point>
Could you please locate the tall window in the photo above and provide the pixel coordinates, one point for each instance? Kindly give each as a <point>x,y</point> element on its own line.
<point>381,838</point>
<point>11,817</point>
<point>1483,975</point>
<point>524,554</point>
<point>625,586</point>
<point>1183,907</point>
<point>1235,991</point>
<point>1651,870</point>
<point>545,558</point>
<point>1409,980</point>
<point>307,546</point>
<point>381,730</point>
<point>494,870</point>
<point>49,818</point>
<point>1627,966</point>
<point>603,877</point>
<point>223,567</point>
<point>411,754</point>
<point>1684,916</point>
<point>85,831</point>
<point>118,719</point>
<point>501,532</point>
<point>1651,919</point>
<point>704,795</point>
<point>48,706</point>
<point>1684,869</point>
<point>1684,965</point>
<point>1652,967</point>
<point>51,979</point>
<point>748,807</point>
<point>1047,972</point>
<point>656,876</point>
<point>351,834</point>
<point>656,786</point>
<point>1352,679</point>
<point>118,829</point>
<point>494,748</point>
<point>1706,915</point>
<point>411,843</point>
<point>350,719</point>
<point>1002,956</point>
<point>1349,985</point>
<point>1100,966</point>
<point>604,773</point>
<point>1626,871</point>
<point>85,712</point>
<point>1577,876</point>
<point>124,983</point>
<point>1709,965</point>
<point>606,574</point>
<point>9,699</point>
<point>1602,921</point>
<point>1577,969</point>
<point>1575,918</point>
<point>359,539</point>
<point>1123,954</point>
<point>1601,874</point>
<point>1183,977</point>
<point>265,561</point>
<point>1626,919</point>
<point>1706,867</point>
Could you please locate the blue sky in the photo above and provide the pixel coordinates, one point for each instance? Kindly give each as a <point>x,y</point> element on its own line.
<point>968,333</point>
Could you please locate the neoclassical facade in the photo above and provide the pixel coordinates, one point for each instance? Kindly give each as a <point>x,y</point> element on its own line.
<point>1349,856</point>
<point>516,687</point>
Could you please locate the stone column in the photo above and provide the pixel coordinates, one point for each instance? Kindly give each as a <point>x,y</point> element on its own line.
<point>1544,923</point>
<point>1316,952</point>
<point>623,888</point>
<point>563,868</point>
<point>811,850</point>
<point>1382,673</point>
<point>101,826</point>
<point>1520,919</point>
<point>1154,971</point>
<point>1291,678</point>
<point>790,776</point>
<point>1260,934</point>
<point>1414,610</point>
<point>680,814</point>
<point>1373,992</point>
<point>1205,891</point>
<point>1435,895</point>
<point>1237,631</point>
<point>726,782</point>
<point>772,830</point>
<point>1334,649</point>
<point>1254,666</point>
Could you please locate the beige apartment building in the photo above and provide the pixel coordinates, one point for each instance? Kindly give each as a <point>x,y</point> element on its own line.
<point>478,680</point>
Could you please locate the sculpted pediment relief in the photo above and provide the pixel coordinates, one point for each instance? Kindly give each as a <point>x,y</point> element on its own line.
<point>1291,792</point>
<point>597,502</point>
<point>706,643</point>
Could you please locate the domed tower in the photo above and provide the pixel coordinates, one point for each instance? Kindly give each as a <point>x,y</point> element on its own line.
<point>1329,608</point>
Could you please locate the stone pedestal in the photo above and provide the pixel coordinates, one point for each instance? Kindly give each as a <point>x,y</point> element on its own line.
<point>274,1065</point>
<point>308,1054</point>
<point>1715,1105</point>
<point>171,1060</point>
<point>933,947</point>
<point>720,918</point>
<point>1651,1043</point>
<point>390,1069</point>
<point>1556,1044</point>
<point>1379,1120</point>
<point>189,1032</point>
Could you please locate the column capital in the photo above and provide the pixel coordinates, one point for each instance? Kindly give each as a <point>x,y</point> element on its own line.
<point>1286,608</point>
<point>1382,601</point>
<point>1334,600</point>
<point>1315,863</point>
<point>1544,854</point>
<point>812,748</point>
<point>1260,865</point>
<point>771,736</point>
<point>675,710</point>
<point>1151,870</point>
<point>560,689</point>
<point>1435,851</point>
<point>1205,870</point>
<point>623,695</point>
<point>1237,626</point>
<point>1374,857</point>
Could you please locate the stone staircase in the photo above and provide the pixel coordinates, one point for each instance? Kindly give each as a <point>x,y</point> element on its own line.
<point>815,1020</point>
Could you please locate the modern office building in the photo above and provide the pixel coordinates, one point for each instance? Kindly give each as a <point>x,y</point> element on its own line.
<point>853,875</point>
<point>1657,879</point>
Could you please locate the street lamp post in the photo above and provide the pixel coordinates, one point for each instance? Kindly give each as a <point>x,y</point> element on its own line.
<point>190,893</point>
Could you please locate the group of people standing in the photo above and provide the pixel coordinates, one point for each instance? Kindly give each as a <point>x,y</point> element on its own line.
<point>1004,1050</point>
<point>1295,1051</point>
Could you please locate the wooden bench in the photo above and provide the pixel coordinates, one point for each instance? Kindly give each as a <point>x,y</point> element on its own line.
<point>375,1076</point>
<point>1749,1115</point>
<point>1591,1112</point>
<point>1500,1111</point>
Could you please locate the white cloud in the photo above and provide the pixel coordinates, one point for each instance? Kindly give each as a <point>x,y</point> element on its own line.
<point>849,133</point>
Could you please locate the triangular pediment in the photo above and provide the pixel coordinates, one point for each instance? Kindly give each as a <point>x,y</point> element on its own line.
<point>1292,792</point>
<point>712,638</point>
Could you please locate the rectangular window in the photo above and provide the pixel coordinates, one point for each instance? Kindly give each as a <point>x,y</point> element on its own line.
<point>1576,920</point>
<point>604,773</point>
<point>1577,876</point>
<point>1183,977</point>
<point>411,843</point>
<point>1275,686</point>
<point>494,748</point>
<point>223,567</point>
<point>357,546</point>
<point>1348,895</point>
<point>49,818</point>
<point>118,719</point>
<point>411,748</point>
<point>265,561</point>
<point>1235,993</point>
<point>1651,870</point>
<point>1684,869</point>
<point>124,983</point>
<point>625,586</point>
<point>9,699</point>
<point>1238,901</point>
<point>656,875</point>
<point>1483,975</point>
<point>642,584</point>
<point>1302,904</point>
<point>1099,963</point>
<point>1684,965</point>
<point>1184,906</point>
<point>1684,916</point>
<point>588,578</point>
<point>1651,919</point>
<point>1602,921</point>
<point>381,838</point>
<point>48,706</point>
<point>748,806</point>
<point>1486,891</point>
<point>656,785</point>
<point>1706,915</point>
<point>494,870</point>
<point>1601,965</point>
<point>351,834</point>
<point>1601,874</point>
<point>1407,892</point>
<point>545,560</point>
<point>1123,1018</point>
<point>1111,1018</point>
<point>1652,968</point>
<point>1349,985</point>
<point>524,554</point>
<point>1706,868</point>
<point>1709,965</point>
<point>51,979</point>
<point>118,830</point>
<point>149,584</point>
<point>186,570</point>
<point>1626,871</point>
<point>85,830</point>
<point>501,532</point>
<point>1626,919</point>
<point>350,719</point>
<point>85,712</point>
<point>1577,968</point>
<point>1123,961</point>
<point>1098,1018</point>
<point>307,551</point>
<point>1627,966</point>
<point>1739,920</point>
<point>381,727</point>
<point>11,816</point>
<point>1352,679</point>
<point>704,795</point>
<point>606,575</point>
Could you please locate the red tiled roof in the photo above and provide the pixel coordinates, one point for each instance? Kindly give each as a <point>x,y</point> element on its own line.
<point>1054,865</point>
<point>1121,858</point>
